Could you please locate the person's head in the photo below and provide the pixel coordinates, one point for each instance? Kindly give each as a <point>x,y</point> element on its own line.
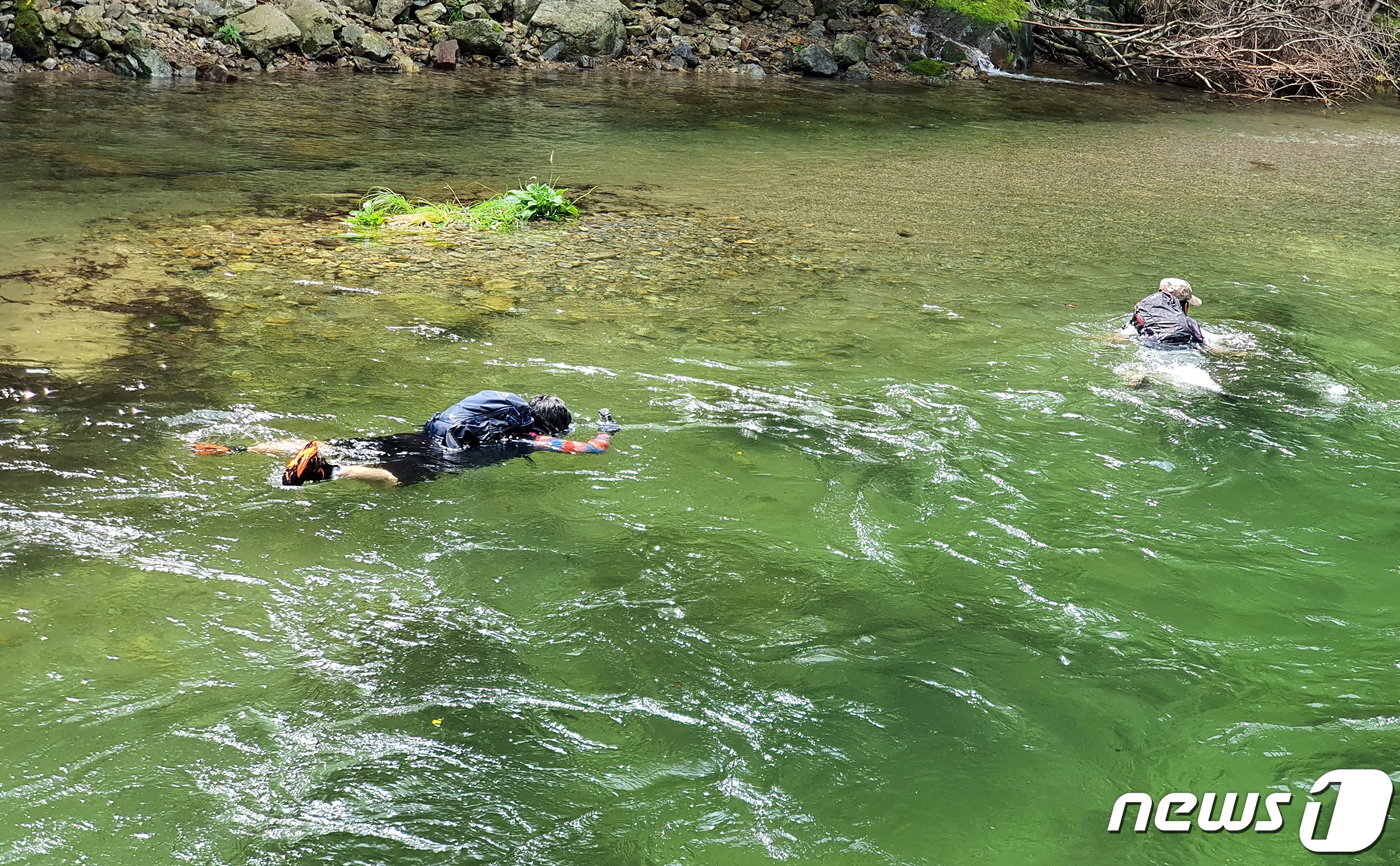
<point>552,417</point>
<point>1179,289</point>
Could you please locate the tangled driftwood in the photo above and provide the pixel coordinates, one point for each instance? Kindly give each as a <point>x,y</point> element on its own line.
<point>1266,49</point>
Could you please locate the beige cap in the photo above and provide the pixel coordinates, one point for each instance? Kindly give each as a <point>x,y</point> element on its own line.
<point>1179,289</point>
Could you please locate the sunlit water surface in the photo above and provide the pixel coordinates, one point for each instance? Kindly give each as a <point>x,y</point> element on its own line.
<point>888,565</point>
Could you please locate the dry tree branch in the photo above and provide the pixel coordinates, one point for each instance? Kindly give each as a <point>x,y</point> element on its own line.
<point>1264,49</point>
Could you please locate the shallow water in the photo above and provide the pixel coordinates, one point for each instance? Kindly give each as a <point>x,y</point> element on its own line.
<point>889,564</point>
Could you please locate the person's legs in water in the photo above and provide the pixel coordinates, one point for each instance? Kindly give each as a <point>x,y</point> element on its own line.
<point>411,463</point>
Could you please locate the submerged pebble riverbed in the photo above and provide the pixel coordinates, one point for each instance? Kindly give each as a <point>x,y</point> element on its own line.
<point>888,564</point>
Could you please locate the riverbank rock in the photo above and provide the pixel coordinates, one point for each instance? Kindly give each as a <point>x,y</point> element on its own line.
<point>815,60</point>
<point>86,23</point>
<point>141,63</point>
<point>824,38</point>
<point>478,36</point>
<point>445,54</point>
<point>265,28</point>
<point>850,49</point>
<point>27,34</point>
<point>372,46</point>
<point>584,27</point>
<point>315,23</point>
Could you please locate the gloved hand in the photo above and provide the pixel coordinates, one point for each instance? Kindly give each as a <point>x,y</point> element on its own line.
<point>606,424</point>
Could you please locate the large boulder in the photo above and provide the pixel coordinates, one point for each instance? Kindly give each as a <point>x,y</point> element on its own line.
<point>27,33</point>
<point>389,10</point>
<point>373,46</point>
<point>144,62</point>
<point>850,49</point>
<point>315,22</point>
<point>86,23</point>
<point>585,27</point>
<point>265,28</point>
<point>815,60</point>
<point>478,36</point>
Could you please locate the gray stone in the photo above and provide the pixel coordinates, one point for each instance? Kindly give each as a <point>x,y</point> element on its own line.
<point>7,51</point>
<point>553,51</point>
<point>315,23</point>
<point>215,72</point>
<point>87,56</point>
<point>49,19</point>
<point>752,69</point>
<point>49,64</point>
<point>362,7</point>
<point>472,11</point>
<point>372,46</point>
<point>86,23</point>
<point>238,7</point>
<point>683,52</point>
<point>592,27</point>
<point>264,29</point>
<point>390,9</point>
<point>494,8</point>
<point>850,49</point>
<point>140,63</point>
<point>478,36</point>
<point>431,13</point>
<point>207,9</point>
<point>857,72</point>
<point>351,33</point>
<point>815,60</point>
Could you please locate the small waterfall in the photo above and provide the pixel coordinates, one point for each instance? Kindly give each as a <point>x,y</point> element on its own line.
<point>985,65</point>
<point>982,62</point>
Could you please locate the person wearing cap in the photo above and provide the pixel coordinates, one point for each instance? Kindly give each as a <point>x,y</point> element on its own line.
<point>483,429</point>
<point>1160,320</point>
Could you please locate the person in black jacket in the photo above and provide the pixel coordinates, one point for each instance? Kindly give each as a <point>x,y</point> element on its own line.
<point>486,428</point>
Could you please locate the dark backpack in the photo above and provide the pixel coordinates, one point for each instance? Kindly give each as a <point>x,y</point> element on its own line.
<point>1161,318</point>
<point>484,418</point>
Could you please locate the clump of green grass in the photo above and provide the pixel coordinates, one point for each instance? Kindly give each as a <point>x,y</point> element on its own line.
<point>541,201</point>
<point>229,34</point>
<point>534,201</point>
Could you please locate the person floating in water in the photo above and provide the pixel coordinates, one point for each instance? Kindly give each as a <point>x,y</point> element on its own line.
<point>486,428</point>
<point>1160,320</point>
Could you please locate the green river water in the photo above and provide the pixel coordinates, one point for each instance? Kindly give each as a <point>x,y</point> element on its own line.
<point>887,566</point>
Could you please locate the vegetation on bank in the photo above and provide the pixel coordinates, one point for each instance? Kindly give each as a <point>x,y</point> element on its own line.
<point>1264,49</point>
<point>229,33</point>
<point>27,33</point>
<point>382,206</point>
<point>983,11</point>
<point>927,67</point>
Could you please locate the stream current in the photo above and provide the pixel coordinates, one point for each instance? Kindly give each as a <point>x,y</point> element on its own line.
<point>888,565</point>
